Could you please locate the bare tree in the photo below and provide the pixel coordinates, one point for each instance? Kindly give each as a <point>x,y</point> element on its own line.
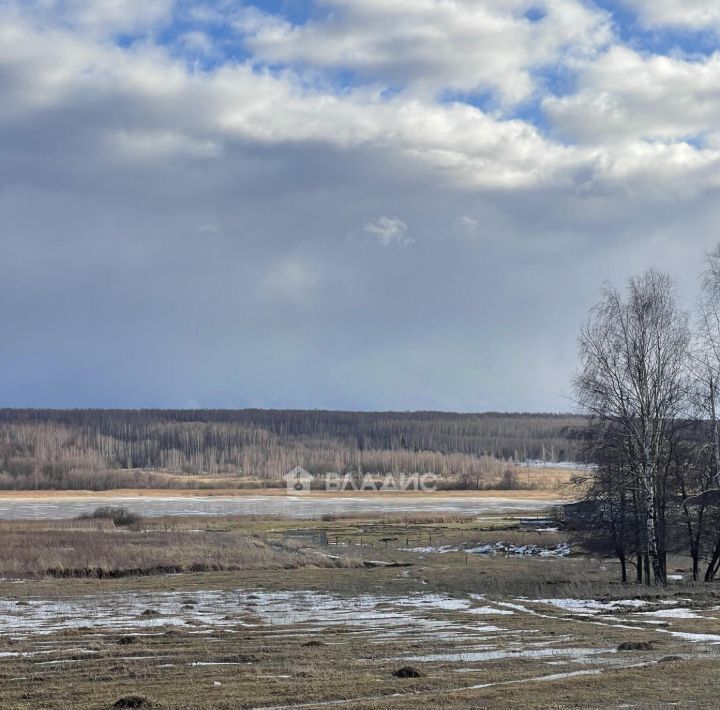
<point>610,527</point>
<point>705,367</point>
<point>634,353</point>
<point>706,352</point>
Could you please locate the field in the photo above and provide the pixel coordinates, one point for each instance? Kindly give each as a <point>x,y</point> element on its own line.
<point>388,611</point>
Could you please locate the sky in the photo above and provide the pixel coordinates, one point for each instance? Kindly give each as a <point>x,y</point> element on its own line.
<point>341,204</point>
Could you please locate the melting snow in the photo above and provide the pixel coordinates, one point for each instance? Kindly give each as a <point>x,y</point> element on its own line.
<point>674,614</point>
<point>470,657</point>
<point>498,548</point>
<point>588,607</point>
<point>489,610</point>
<point>713,638</point>
<point>384,616</point>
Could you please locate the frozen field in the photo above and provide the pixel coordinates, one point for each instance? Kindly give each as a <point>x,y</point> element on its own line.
<point>285,506</point>
<point>274,643</point>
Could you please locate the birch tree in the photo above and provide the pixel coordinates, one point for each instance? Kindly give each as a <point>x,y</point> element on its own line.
<point>706,353</point>
<point>634,351</point>
<point>705,365</point>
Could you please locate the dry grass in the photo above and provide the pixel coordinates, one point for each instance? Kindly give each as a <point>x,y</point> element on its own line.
<point>96,548</point>
<point>249,663</point>
<point>512,477</point>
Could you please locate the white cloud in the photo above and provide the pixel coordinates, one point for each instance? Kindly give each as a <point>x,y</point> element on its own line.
<point>141,105</point>
<point>432,46</point>
<point>694,14</point>
<point>101,17</point>
<point>387,231</point>
<point>142,102</point>
<point>625,96</point>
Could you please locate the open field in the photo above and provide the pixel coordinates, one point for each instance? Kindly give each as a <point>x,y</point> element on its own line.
<point>486,612</point>
<point>66,505</point>
<point>497,476</point>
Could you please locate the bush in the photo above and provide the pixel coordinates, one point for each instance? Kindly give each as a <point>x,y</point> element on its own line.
<point>121,517</point>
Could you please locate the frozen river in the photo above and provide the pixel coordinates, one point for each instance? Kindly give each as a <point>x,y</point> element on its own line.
<point>287,506</point>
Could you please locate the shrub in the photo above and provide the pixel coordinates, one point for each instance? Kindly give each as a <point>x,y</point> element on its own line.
<point>121,517</point>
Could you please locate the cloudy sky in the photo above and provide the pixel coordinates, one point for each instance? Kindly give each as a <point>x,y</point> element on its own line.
<point>358,204</point>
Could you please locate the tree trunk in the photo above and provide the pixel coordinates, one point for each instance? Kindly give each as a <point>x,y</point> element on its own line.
<point>712,565</point>
<point>716,433</point>
<point>648,484</point>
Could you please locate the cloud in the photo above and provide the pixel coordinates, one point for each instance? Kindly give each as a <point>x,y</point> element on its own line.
<point>142,104</point>
<point>387,231</point>
<point>431,46</point>
<point>291,279</point>
<point>693,14</point>
<point>628,96</point>
<point>174,180</point>
<point>100,17</point>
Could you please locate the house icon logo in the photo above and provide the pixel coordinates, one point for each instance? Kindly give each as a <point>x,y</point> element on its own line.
<point>299,480</point>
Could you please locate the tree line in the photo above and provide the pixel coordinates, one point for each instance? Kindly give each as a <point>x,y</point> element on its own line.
<point>648,380</point>
<point>112,448</point>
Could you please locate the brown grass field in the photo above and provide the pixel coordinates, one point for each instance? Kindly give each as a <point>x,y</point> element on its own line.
<point>550,493</point>
<point>538,483</point>
<point>276,618</point>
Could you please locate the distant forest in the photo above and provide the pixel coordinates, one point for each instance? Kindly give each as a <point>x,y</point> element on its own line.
<point>96,449</point>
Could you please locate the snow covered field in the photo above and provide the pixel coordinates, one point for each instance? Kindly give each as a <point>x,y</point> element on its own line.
<point>28,508</point>
<point>469,641</point>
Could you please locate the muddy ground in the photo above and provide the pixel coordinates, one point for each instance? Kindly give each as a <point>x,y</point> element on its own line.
<point>422,614</point>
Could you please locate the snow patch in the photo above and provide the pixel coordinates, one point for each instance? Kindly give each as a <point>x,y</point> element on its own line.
<point>589,607</point>
<point>497,548</point>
